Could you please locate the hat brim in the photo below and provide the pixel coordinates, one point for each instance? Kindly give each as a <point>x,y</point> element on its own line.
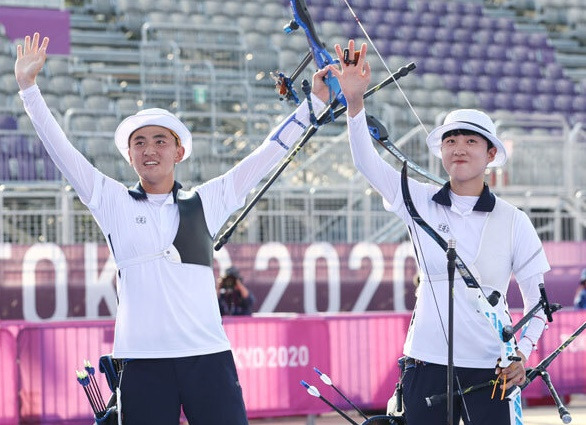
<point>134,122</point>
<point>434,141</point>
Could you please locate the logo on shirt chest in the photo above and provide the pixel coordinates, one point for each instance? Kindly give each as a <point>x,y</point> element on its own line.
<point>140,219</point>
<point>444,228</point>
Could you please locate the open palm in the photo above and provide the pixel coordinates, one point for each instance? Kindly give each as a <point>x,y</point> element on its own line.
<point>30,59</point>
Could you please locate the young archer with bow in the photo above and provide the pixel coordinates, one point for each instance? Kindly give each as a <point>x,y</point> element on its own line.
<point>168,320</point>
<point>494,239</point>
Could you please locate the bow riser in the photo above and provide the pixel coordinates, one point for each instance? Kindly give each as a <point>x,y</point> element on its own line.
<point>320,55</point>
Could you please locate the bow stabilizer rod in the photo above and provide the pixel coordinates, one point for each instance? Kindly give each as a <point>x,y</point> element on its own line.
<point>324,117</point>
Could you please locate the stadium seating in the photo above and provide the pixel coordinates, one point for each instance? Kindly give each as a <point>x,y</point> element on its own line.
<point>212,59</point>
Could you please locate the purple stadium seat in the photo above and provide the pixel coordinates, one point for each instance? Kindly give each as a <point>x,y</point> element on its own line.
<point>395,4</point>
<point>477,51</point>
<point>46,169</point>
<point>440,50</point>
<point>537,40</point>
<point>579,104</point>
<point>504,101</point>
<point>410,18</point>
<point>543,103</point>
<point>504,24</point>
<point>351,30</point>
<point>455,8</point>
<point>27,168</point>
<point>426,34</point>
<point>474,67</point>
<point>564,103</point>
<point>545,55</point>
<point>420,6</point>
<point>468,82</point>
<point>437,7</point>
<point>472,8</point>
<point>38,150</point>
<point>523,102</point>
<point>497,52</point>
<point>527,85</point>
<point>4,167</point>
<point>407,32</point>
<point>418,49</point>
<point>530,69</point>
<point>487,100</point>
<point>522,54</point>
<point>502,38</point>
<point>578,117</point>
<point>486,83</point>
<point>452,66</point>
<point>507,84</point>
<point>372,17</point>
<point>431,65</point>
<point>382,32</point>
<point>494,68</point>
<point>519,38</point>
<point>361,4</point>
<point>318,13</point>
<point>332,13</point>
<point>15,145</point>
<point>392,18</point>
<point>383,5</point>
<point>483,37</point>
<point>459,50</point>
<point>463,35</point>
<point>397,47</point>
<point>452,82</point>
<point>450,21</point>
<point>443,34</point>
<point>553,71</point>
<point>565,86</point>
<point>429,19</point>
<point>545,86</point>
<point>7,122</point>
<point>486,23</point>
<point>511,69</point>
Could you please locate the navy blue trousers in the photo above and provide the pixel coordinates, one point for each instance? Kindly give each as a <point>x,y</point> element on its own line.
<point>421,380</point>
<point>206,387</point>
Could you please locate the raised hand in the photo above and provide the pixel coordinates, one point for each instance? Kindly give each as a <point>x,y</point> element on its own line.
<point>319,87</point>
<point>354,76</point>
<point>30,59</point>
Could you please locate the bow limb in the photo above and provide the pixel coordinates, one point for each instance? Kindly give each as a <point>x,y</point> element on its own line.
<point>317,50</point>
<point>484,305</point>
<point>380,134</point>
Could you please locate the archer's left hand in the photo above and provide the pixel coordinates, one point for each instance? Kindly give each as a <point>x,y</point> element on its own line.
<point>353,76</point>
<point>515,373</point>
<point>318,85</point>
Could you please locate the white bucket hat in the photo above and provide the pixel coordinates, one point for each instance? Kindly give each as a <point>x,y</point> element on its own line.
<point>468,119</point>
<point>146,117</point>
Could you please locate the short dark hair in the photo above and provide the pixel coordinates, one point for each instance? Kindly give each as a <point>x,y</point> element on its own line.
<point>462,132</point>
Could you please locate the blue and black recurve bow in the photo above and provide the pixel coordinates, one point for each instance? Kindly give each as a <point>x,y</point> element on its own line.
<point>317,51</point>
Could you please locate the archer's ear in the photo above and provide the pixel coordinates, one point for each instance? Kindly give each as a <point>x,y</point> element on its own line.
<point>179,155</point>
<point>492,154</point>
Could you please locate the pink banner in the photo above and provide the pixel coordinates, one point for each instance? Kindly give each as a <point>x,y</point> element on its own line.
<point>273,356</point>
<point>358,351</point>
<point>8,379</point>
<point>50,282</point>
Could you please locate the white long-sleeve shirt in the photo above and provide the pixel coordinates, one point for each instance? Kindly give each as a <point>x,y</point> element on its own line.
<point>465,220</point>
<point>166,309</point>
